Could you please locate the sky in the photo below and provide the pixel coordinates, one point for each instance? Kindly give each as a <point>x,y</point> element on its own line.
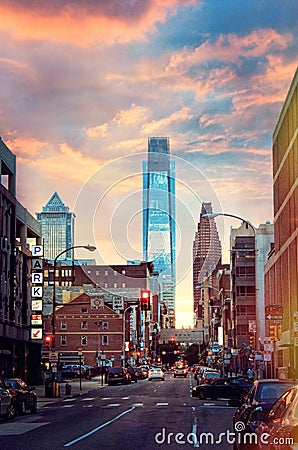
<point>85,83</point>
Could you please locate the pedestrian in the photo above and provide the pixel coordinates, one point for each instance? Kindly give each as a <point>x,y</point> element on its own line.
<point>250,374</point>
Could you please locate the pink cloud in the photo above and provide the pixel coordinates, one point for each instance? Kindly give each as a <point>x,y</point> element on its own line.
<point>85,22</point>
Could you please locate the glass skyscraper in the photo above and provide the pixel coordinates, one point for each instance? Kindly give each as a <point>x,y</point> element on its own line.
<point>57,228</point>
<point>159,233</point>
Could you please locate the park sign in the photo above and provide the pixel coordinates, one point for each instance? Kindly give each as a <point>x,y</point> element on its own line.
<point>36,292</point>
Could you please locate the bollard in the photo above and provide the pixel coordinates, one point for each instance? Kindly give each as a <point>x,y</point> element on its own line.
<point>68,389</point>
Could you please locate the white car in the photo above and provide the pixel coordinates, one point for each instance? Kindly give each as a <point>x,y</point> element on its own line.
<point>156,373</point>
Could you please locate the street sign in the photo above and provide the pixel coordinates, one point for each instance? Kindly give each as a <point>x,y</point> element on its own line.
<point>274,317</point>
<point>118,302</point>
<point>36,319</point>
<point>36,305</point>
<point>267,356</point>
<point>275,309</point>
<point>36,333</point>
<point>97,302</point>
<point>53,357</point>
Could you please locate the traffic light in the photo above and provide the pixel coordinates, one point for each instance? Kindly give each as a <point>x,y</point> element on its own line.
<point>145,300</point>
<point>172,340</point>
<point>273,332</point>
<point>252,341</point>
<point>278,332</point>
<point>48,339</point>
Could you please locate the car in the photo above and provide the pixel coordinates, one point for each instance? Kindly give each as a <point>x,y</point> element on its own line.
<point>229,388</point>
<point>7,409</point>
<point>180,371</point>
<point>142,372</point>
<point>133,373</point>
<point>208,376</point>
<point>261,395</point>
<point>281,423</point>
<point>117,375</point>
<point>24,397</point>
<point>156,373</point>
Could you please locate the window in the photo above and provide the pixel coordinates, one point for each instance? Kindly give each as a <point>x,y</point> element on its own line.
<point>123,272</point>
<point>123,285</point>
<point>84,340</point>
<point>105,340</point>
<point>63,326</point>
<point>115,273</point>
<point>105,326</point>
<point>106,285</point>
<point>84,310</point>
<point>106,273</point>
<point>115,285</point>
<point>63,340</point>
<point>97,272</point>
<point>84,325</point>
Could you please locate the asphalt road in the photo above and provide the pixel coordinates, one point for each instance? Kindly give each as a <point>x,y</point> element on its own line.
<point>145,415</point>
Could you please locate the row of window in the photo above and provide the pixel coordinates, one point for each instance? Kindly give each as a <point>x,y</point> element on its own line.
<point>84,325</point>
<point>106,272</point>
<point>84,340</point>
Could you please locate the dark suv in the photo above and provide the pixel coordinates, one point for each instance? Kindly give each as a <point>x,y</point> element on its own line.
<point>7,410</point>
<point>133,373</point>
<point>118,375</point>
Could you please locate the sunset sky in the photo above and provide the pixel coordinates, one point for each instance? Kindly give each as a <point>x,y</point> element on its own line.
<point>84,84</point>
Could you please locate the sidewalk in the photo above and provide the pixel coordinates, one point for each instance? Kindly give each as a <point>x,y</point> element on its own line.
<point>75,388</point>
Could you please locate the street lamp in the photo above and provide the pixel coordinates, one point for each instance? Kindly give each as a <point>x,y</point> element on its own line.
<point>91,248</point>
<point>123,332</point>
<point>220,292</point>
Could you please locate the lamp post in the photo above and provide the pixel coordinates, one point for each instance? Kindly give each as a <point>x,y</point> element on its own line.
<point>220,292</point>
<point>123,332</point>
<point>99,360</point>
<point>91,248</point>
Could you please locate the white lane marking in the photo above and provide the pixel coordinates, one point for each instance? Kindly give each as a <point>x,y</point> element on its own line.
<point>14,428</point>
<point>106,398</point>
<point>98,428</point>
<point>137,405</point>
<point>67,406</point>
<point>125,398</point>
<point>162,404</point>
<point>69,400</point>
<point>112,405</point>
<point>87,399</point>
<point>87,406</point>
<point>194,434</point>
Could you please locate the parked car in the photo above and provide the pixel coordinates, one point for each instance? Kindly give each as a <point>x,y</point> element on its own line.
<point>133,373</point>
<point>281,423</point>
<point>156,373</point>
<point>180,371</point>
<point>7,410</point>
<point>24,397</point>
<point>262,395</point>
<point>232,387</point>
<point>72,371</point>
<point>118,375</point>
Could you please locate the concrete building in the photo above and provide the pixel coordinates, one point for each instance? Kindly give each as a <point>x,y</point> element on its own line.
<point>249,250</point>
<point>159,229</point>
<point>19,354</point>
<point>57,224</point>
<point>281,276</point>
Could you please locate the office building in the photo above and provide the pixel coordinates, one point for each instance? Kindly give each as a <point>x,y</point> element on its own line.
<point>57,224</point>
<point>19,353</point>
<point>159,232</point>
<point>281,276</point>
<point>206,256</point>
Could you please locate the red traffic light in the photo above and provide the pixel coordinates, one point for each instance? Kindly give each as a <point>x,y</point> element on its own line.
<point>145,300</point>
<point>48,338</point>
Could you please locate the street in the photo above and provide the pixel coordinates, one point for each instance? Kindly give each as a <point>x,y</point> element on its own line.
<point>147,415</point>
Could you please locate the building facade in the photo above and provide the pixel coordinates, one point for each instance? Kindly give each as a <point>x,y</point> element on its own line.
<point>206,256</point>
<point>19,354</point>
<point>281,276</point>
<point>57,224</point>
<point>159,230</point>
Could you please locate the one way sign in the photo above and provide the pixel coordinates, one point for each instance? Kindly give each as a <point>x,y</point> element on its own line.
<point>274,317</point>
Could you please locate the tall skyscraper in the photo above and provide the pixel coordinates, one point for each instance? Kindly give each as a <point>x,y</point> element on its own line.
<point>159,233</point>
<point>57,228</point>
<point>206,256</point>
